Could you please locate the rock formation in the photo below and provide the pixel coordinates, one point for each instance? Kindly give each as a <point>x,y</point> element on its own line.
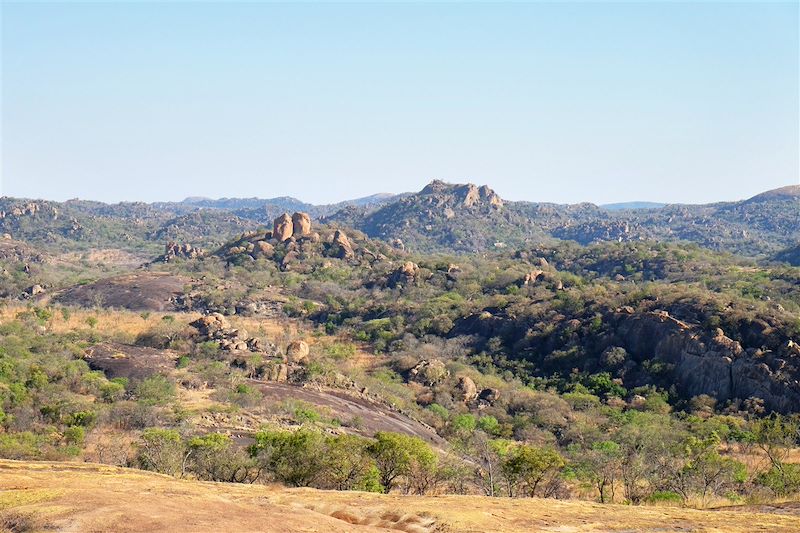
<point>297,352</point>
<point>283,228</point>
<point>467,389</point>
<point>263,249</point>
<point>173,251</point>
<point>301,225</point>
<point>341,245</point>
<point>429,372</point>
<point>403,275</point>
<point>532,277</point>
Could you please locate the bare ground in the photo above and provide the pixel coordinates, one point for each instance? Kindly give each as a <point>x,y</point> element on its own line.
<point>69,497</point>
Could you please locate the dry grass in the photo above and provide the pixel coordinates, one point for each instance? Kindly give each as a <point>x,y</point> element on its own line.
<point>116,324</point>
<point>86,497</point>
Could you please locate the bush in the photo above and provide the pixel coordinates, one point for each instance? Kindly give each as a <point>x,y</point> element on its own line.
<point>155,390</point>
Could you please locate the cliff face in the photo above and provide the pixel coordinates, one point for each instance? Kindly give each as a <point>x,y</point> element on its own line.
<point>658,349</point>
<point>713,364</point>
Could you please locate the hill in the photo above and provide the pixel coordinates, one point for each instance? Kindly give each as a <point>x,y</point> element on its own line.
<point>633,205</point>
<point>37,496</point>
<point>442,218</point>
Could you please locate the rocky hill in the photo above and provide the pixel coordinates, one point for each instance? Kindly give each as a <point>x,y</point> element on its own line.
<point>466,218</point>
<point>442,217</point>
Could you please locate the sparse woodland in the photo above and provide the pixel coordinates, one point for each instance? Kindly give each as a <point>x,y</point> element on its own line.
<point>643,372</point>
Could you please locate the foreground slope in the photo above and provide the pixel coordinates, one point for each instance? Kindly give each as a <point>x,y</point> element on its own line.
<point>86,497</point>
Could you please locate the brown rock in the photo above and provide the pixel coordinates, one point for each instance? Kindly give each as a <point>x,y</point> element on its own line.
<point>467,389</point>
<point>404,274</point>
<point>532,277</point>
<point>297,351</point>
<point>283,228</point>
<point>342,246</point>
<point>263,249</point>
<point>489,396</point>
<point>302,224</point>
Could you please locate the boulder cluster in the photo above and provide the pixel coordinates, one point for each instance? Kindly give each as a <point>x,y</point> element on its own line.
<point>296,234</point>
<point>273,365</point>
<point>434,372</point>
<point>29,209</point>
<point>215,327</point>
<point>403,275</point>
<point>174,250</point>
<point>286,227</point>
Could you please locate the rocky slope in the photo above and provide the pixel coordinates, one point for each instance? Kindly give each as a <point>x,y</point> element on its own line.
<point>441,217</point>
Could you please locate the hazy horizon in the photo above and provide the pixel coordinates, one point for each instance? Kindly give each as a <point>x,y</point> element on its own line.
<point>304,200</point>
<point>565,103</point>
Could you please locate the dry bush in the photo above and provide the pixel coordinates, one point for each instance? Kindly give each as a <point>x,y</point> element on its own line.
<point>18,522</point>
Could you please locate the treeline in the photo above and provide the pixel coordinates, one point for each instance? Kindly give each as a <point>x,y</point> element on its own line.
<point>646,461</point>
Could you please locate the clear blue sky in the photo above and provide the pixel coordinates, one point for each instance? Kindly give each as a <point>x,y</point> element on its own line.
<point>601,102</point>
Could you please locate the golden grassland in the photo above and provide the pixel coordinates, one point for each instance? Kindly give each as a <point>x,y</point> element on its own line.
<point>94,498</point>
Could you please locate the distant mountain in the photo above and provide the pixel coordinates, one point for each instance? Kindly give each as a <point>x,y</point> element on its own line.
<point>790,193</point>
<point>464,218</point>
<point>442,217</point>
<point>632,205</point>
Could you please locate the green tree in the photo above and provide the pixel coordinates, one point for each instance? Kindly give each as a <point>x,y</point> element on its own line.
<point>527,469</point>
<point>401,456</point>
<point>162,450</point>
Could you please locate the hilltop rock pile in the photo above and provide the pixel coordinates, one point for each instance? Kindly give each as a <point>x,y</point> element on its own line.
<point>29,209</point>
<point>467,195</point>
<point>173,251</point>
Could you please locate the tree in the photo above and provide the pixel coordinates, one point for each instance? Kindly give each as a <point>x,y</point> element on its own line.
<point>600,465</point>
<point>162,450</point>
<point>488,454</point>
<point>295,458</point>
<point>402,456</point>
<point>776,436</point>
<point>702,470</point>
<point>528,468</point>
<point>348,466</point>
<point>214,457</point>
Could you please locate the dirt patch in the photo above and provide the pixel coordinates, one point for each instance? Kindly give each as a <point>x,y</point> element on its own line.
<point>140,291</point>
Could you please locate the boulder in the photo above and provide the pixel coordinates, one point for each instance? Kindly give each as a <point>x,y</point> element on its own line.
<point>301,223</point>
<point>34,290</point>
<point>173,250</point>
<point>489,396</point>
<point>467,389</point>
<point>341,245</point>
<point>283,228</point>
<point>210,324</point>
<point>532,277</point>
<point>263,249</point>
<point>404,274</point>
<point>276,372</point>
<point>297,352</point>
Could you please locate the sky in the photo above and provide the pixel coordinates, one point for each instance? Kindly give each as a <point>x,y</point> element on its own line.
<point>563,102</point>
